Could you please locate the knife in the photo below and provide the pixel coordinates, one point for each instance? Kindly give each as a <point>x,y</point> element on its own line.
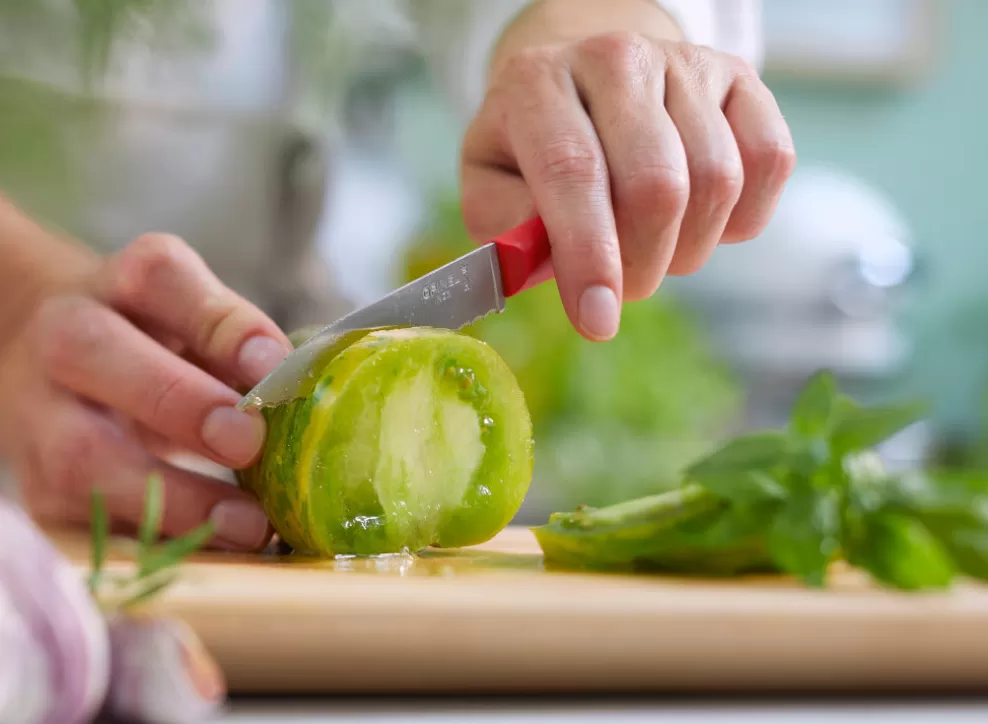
<point>451,297</point>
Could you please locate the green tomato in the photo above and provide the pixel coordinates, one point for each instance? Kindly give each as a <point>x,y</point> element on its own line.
<point>409,438</point>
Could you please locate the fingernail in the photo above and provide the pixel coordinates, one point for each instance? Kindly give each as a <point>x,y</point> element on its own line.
<point>600,313</point>
<point>240,523</point>
<point>233,435</point>
<point>260,355</point>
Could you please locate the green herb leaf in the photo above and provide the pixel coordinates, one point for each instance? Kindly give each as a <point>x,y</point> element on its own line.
<point>861,428</point>
<point>100,533</point>
<point>153,508</point>
<point>735,524</point>
<point>957,492</point>
<point>804,535</point>
<point>809,457</point>
<point>814,409</point>
<point>969,549</point>
<point>954,508</point>
<point>171,552</point>
<point>899,551</point>
<point>755,452</point>
<point>747,487</point>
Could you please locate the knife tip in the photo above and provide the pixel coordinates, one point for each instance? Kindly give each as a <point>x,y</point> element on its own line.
<point>250,401</point>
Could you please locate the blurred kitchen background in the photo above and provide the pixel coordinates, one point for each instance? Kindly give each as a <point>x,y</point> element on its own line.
<point>873,266</point>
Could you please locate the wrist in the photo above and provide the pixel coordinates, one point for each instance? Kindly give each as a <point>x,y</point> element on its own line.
<point>35,263</point>
<point>546,22</point>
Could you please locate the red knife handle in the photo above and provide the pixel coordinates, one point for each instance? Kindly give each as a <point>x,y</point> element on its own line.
<point>525,256</point>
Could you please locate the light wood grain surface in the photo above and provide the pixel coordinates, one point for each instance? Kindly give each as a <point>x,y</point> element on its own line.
<point>491,620</point>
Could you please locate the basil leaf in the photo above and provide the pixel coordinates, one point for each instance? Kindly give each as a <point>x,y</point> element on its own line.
<point>959,492</point>
<point>809,458</point>
<point>804,535</point>
<point>860,428</point>
<point>869,486</point>
<point>757,451</point>
<point>899,551</point>
<point>963,534</point>
<point>814,408</point>
<point>739,522</point>
<point>744,488</point>
<point>970,551</point>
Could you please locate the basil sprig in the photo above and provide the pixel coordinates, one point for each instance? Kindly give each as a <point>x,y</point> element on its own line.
<point>820,494</point>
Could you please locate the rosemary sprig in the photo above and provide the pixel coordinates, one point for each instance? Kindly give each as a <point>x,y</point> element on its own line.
<point>153,504</point>
<point>155,560</point>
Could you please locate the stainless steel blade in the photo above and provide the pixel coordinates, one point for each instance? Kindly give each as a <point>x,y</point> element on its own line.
<point>450,297</point>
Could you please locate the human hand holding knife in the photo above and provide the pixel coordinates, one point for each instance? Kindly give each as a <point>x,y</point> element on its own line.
<point>451,297</point>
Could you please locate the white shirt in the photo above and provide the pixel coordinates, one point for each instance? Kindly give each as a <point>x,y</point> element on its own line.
<point>731,26</point>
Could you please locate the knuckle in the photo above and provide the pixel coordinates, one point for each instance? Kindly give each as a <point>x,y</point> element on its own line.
<point>689,57</point>
<point>529,65</point>
<point>773,162</point>
<point>570,159</point>
<point>145,260</point>
<point>720,181</point>
<point>658,187</point>
<point>157,250</point>
<point>625,53</point>
<point>742,67</point>
<point>220,328</point>
<point>588,251</point>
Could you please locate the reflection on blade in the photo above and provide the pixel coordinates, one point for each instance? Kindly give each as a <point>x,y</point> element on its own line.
<point>450,297</point>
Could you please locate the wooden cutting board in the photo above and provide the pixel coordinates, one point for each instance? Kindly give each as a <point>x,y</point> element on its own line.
<point>491,620</point>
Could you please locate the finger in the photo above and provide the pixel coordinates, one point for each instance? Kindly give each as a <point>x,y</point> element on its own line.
<point>624,91</point>
<point>160,279</point>
<point>93,351</point>
<point>767,153</point>
<point>693,100</point>
<point>81,450</point>
<point>481,184</point>
<point>533,120</point>
<point>154,443</point>
<point>485,220</point>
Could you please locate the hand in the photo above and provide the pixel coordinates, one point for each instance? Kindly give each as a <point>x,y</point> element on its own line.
<point>139,359</point>
<point>640,154</point>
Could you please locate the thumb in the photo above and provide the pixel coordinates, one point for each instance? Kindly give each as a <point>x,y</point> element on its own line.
<point>495,200</point>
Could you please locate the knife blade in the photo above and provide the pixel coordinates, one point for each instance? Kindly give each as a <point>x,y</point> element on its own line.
<point>450,297</point>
